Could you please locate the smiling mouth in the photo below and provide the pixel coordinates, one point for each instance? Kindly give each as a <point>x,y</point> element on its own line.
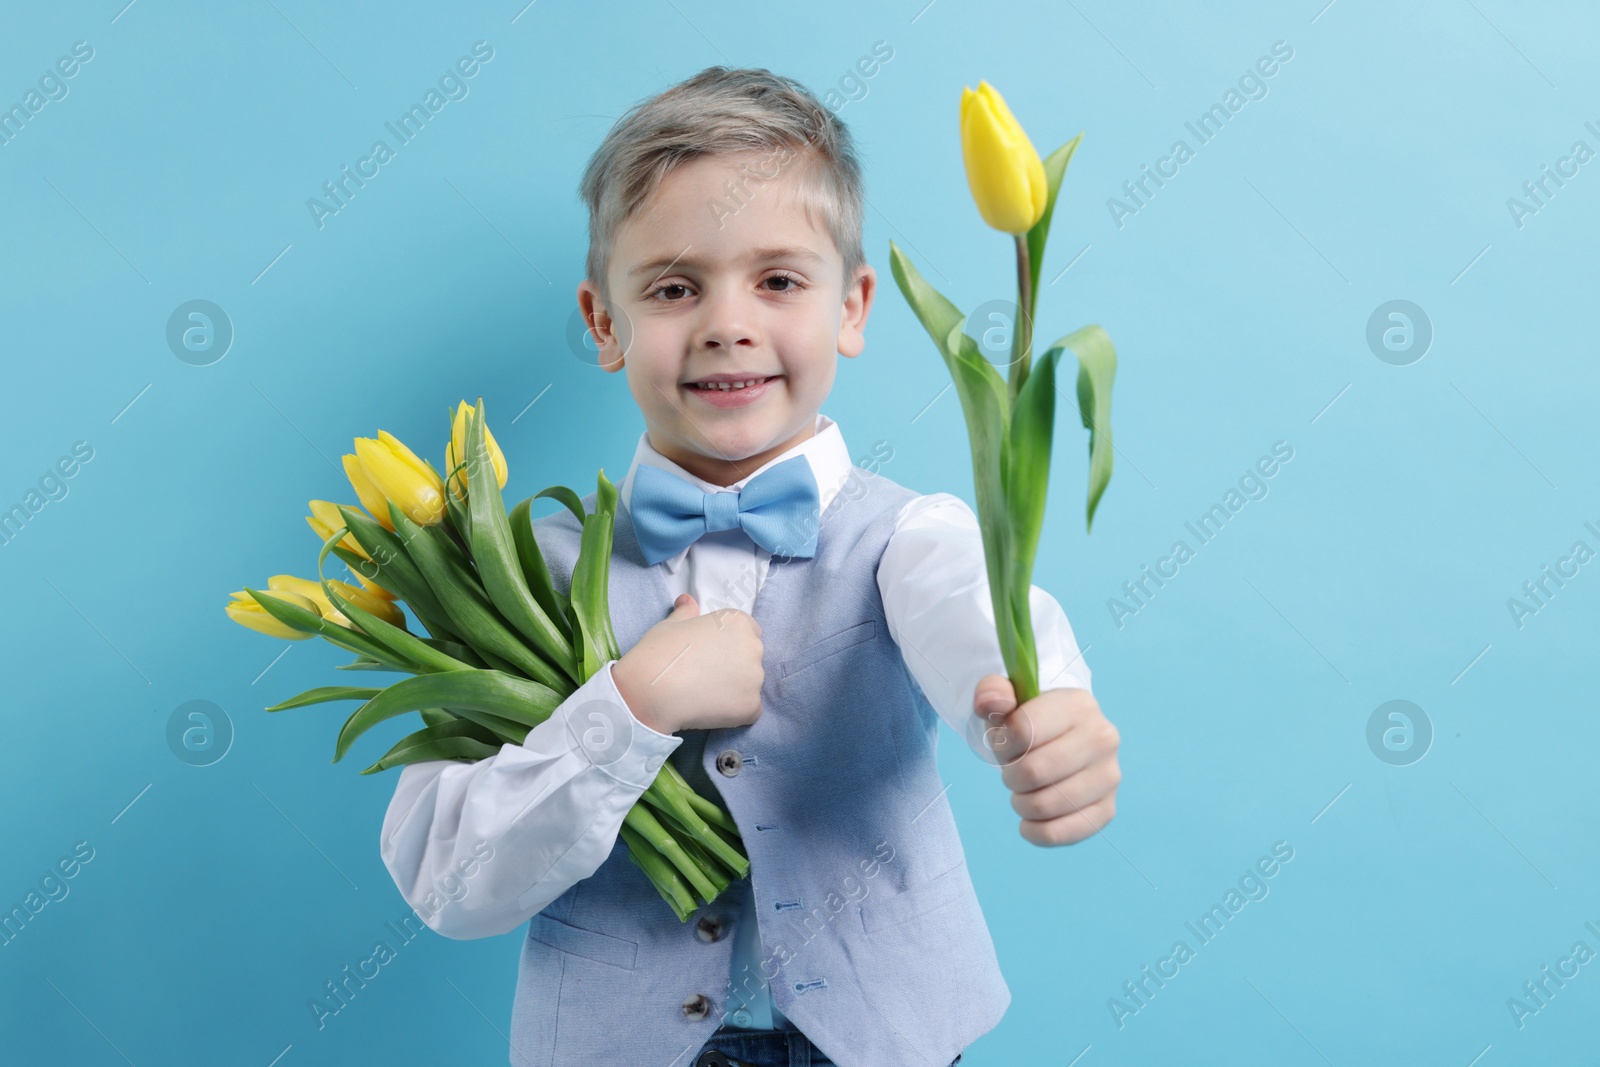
<point>725,387</point>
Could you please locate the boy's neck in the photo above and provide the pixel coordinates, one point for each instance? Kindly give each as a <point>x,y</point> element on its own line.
<point>724,472</point>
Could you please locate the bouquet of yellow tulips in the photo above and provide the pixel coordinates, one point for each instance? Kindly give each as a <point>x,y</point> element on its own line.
<point>1010,422</point>
<point>504,648</point>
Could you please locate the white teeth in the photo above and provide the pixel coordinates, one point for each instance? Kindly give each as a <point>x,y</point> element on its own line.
<point>725,386</point>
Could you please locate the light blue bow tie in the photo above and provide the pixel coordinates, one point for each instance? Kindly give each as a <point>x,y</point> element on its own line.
<point>777,509</point>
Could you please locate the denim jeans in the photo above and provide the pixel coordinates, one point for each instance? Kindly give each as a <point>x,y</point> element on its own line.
<point>764,1048</point>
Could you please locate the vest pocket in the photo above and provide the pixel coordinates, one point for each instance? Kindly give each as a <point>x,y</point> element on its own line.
<point>590,944</point>
<point>884,913</point>
<point>846,638</point>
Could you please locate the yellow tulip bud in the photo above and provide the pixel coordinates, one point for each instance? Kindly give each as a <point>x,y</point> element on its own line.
<point>396,472</point>
<point>1004,172</point>
<point>386,610</point>
<point>456,451</point>
<point>309,590</point>
<point>376,503</point>
<point>324,519</point>
<point>244,610</point>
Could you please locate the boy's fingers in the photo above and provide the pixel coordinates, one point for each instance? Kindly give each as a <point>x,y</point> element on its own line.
<point>994,695</point>
<point>684,607</point>
<point>996,731</point>
<point>1071,828</point>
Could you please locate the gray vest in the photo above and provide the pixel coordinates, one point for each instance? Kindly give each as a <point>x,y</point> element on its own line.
<point>873,941</point>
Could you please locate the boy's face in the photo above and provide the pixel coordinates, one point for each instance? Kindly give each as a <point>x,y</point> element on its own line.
<point>704,288</point>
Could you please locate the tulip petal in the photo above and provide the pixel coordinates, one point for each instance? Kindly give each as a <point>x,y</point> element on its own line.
<point>375,503</point>
<point>408,457</point>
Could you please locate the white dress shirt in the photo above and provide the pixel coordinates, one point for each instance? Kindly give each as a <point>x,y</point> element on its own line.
<point>552,816</point>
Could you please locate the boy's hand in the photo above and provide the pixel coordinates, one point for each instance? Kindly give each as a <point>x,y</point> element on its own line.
<point>1058,756</point>
<point>694,672</point>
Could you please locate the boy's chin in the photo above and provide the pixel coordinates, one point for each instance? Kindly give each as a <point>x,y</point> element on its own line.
<point>741,438</point>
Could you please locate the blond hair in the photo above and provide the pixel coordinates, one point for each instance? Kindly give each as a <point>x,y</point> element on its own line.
<point>717,111</point>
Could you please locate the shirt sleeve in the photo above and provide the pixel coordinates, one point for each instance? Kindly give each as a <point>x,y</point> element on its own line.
<point>935,590</point>
<point>479,848</point>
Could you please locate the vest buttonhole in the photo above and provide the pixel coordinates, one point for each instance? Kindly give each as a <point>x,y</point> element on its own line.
<point>780,905</point>
<point>815,983</point>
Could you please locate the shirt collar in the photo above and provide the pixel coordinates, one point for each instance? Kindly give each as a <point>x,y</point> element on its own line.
<point>825,450</point>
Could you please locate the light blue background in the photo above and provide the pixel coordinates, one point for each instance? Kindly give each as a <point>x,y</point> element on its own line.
<point>1418,500</point>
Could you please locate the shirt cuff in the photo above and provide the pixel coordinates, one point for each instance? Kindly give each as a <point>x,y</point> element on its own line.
<point>1061,663</point>
<point>601,729</point>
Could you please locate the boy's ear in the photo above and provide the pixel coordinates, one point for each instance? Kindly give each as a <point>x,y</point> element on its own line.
<point>602,328</point>
<point>857,305</point>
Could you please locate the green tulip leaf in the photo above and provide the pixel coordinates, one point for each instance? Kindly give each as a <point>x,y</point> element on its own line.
<point>937,315</point>
<point>467,605</point>
<point>517,699</point>
<point>458,739</point>
<point>1055,168</point>
<point>984,400</point>
<point>1097,367</point>
<point>324,694</point>
<point>398,573</point>
<point>985,404</point>
<point>534,568</point>
<point>591,580</point>
<point>465,653</point>
<point>507,731</point>
<point>1026,475</point>
<point>494,552</point>
<point>566,496</point>
<point>364,663</point>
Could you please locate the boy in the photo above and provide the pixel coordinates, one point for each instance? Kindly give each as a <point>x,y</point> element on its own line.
<point>801,623</point>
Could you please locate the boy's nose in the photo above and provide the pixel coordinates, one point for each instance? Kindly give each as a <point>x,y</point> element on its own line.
<point>726,323</point>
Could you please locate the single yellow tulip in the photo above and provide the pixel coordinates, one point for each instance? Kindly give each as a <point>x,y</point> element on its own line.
<point>1003,170</point>
<point>456,451</point>
<point>244,610</point>
<point>383,609</point>
<point>401,476</point>
<point>324,519</point>
<point>376,503</point>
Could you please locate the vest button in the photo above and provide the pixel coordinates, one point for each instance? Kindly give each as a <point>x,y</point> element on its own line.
<point>708,929</point>
<point>729,761</point>
<point>697,1006</point>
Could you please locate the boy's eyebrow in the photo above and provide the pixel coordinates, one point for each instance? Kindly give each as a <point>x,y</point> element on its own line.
<point>663,263</point>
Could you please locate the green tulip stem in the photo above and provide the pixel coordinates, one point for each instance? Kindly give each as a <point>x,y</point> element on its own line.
<point>647,826</point>
<point>1022,335</point>
<point>665,798</point>
<point>662,875</point>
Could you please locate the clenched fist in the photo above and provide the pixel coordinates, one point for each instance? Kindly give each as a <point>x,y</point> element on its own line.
<point>1057,755</point>
<point>694,672</point>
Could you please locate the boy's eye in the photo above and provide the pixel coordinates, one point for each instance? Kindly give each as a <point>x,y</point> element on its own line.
<point>791,284</point>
